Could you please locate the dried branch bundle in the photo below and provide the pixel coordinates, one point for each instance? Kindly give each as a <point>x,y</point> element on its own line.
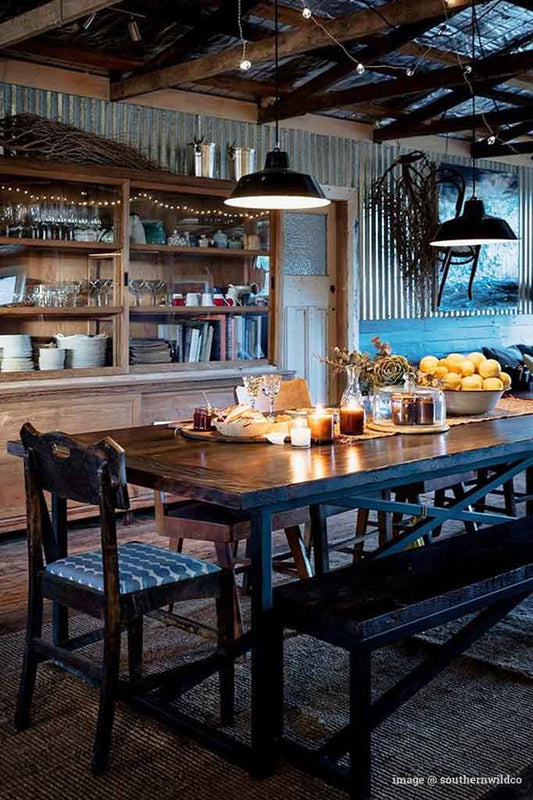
<point>36,137</point>
<point>406,197</point>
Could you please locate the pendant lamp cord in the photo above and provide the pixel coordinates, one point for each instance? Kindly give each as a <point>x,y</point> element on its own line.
<point>276,68</point>
<point>473,89</point>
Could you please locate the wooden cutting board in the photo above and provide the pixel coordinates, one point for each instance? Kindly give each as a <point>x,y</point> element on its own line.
<point>214,436</point>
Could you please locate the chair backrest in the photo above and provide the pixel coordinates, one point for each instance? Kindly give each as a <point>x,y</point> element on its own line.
<point>293,394</point>
<point>66,468</point>
<point>96,474</point>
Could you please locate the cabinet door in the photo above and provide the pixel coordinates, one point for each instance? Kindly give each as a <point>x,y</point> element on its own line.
<point>70,415</point>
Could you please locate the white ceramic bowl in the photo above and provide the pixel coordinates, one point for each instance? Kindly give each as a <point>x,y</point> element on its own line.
<point>480,401</point>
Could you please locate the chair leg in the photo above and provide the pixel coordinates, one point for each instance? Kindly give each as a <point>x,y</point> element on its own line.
<point>360,707</point>
<point>29,667</point>
<point>459,492</point>
<point>299,552</point>
<point>108,696</point>
<point>510,499</point>
<point>226,639</point>
<point>361,525</point>
<point>225,560</point>
<point>135,649</point>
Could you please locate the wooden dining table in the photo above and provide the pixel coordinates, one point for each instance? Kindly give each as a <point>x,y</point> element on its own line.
<point>261,480</point>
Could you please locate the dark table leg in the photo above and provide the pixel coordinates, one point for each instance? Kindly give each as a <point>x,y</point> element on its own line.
<point>266,708</point>
<point>529,491</point>
<point>59,526</point>
<point>319,538</point>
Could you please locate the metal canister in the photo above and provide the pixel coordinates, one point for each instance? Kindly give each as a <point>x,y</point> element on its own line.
<point>204,158</point>
<point>241,161</point>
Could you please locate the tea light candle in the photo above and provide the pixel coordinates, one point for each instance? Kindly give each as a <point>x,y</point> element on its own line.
<point>300,434</point>
<point>352,419</point>
<point>321,424</point>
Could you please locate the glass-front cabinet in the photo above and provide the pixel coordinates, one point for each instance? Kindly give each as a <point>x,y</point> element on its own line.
<point>198,280</point>
<point>100,273</point>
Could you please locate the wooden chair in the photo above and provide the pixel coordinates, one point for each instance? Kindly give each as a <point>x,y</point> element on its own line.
<point>117,584</point>
<point>381,601</point>
<point>182,521</point>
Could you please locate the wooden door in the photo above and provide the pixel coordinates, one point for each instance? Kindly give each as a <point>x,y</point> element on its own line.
<point>307,297</point>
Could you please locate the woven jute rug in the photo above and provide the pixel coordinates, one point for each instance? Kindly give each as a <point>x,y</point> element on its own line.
<point>474,720</point>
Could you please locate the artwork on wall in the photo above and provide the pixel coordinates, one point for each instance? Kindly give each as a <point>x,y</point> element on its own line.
<point>496,284</point>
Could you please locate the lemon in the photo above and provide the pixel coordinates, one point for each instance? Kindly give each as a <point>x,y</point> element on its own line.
<point>472,383</point>
<point>443,363</point>
<point>492,384</point>
<point>489,368</point>
<point>453,361</point>
<point>440,371</point>
<point>476,358</point>
<point>505,379</point>
<point>452,381</point>
<point>466,368</point>
<point>428,364</point>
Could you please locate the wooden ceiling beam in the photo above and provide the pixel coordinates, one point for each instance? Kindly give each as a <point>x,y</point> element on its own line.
<point>455,124</point>
<point>351,27</point>
<point>496,151</point>
<point>99,59</point>
<point>46,17</point>
<point>286,14</point>
<point>297,105</point>
<point>491,68</point>
<point>437,56</point>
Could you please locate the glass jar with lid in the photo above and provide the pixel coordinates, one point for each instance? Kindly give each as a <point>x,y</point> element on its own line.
<point>409,406</point>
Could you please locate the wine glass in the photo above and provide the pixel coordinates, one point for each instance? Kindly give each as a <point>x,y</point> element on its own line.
<point>252,384</point>
<point>270,386</point>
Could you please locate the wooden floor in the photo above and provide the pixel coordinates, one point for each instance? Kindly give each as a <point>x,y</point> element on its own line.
<point>86,536</point>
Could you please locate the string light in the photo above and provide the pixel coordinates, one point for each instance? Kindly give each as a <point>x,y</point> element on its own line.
<point>360,69</point>
<point>491,140</point>
<point>468,69</point>
<point>245,64</point>
<point>410,71</point>
<point>57,198</point>
<point>306,12</point>
<point>201,212</point>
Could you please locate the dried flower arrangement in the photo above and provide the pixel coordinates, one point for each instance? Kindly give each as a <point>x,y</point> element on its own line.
<point>381,369</point>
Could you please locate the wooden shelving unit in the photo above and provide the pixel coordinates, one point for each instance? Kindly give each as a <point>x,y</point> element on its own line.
<point>210,252</point>
<point>61,244</point>
<point>77,312</point>
<point>190,311</point>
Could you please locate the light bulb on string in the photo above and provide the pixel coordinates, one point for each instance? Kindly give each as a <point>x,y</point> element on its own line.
<point>245,65</point>
<point>491,139</point>
<point>360,69</point>
<point>410,72</point>
<point>306,12</point>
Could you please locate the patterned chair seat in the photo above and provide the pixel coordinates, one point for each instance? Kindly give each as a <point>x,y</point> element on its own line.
<point>141,566</point>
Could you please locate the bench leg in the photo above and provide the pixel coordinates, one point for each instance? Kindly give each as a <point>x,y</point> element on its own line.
<point>224,553</point>
<point>360,722</point>
<point>226,638</point>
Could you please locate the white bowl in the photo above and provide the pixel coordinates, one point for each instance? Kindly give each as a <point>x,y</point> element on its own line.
<point>479,401</point>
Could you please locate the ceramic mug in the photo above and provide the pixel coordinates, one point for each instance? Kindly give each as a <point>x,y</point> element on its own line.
<point>207,299</point>
<point>192,299</point>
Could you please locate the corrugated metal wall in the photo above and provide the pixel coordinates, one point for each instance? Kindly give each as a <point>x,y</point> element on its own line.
<point>164,136</point>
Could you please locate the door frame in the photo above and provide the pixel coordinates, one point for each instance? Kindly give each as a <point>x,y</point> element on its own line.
<point>346,202</point>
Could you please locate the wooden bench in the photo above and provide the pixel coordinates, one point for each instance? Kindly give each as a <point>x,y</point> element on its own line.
<point>383,600</point>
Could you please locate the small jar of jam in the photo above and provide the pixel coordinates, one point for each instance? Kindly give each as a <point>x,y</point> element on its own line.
<point>202,419</point>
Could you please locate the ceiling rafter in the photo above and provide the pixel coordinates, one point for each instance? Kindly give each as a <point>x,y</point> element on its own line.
<point>46,17</point>
<point>467,122</point>
<point>351,27</point>
<point>482,150</point>
<point>493,67</point>
<point>298,105</point>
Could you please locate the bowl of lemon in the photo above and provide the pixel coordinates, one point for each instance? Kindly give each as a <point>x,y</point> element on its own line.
<point>472,384</point>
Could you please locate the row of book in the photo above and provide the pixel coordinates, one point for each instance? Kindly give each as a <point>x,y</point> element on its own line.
<point>224,339</point>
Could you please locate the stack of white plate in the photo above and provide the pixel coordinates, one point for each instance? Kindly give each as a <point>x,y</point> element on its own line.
<point>83,350</point>
<point>17,353</point>
<point>51,358</point>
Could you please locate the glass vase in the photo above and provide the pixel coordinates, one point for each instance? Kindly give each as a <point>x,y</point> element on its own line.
<point>352,411</point>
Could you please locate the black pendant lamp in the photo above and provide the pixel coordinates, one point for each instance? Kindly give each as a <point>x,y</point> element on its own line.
<point>276,187</point>
<point>474,226</point>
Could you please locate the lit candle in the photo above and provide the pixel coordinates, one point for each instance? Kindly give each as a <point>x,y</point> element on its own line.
<point>300,434</point>
<point>321,424</point>
<point>352,419</point>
